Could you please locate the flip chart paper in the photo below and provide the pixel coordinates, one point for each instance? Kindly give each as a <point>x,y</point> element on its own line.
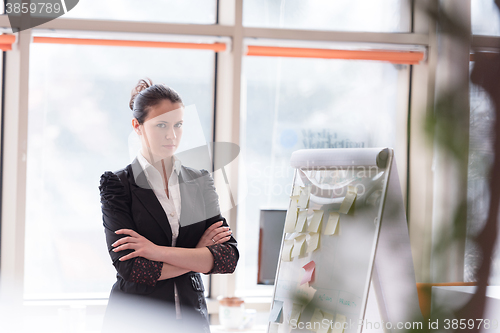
<point>299,246</point>
<point>348,200</point>
<point>338,326</point>
<point>304,197</point>
<point>333,222</point>
<point>296,310</point>
<point>276,315</point>
<point>286,255</point>
<point>313,243</point>
<point>315,221</point>
<point>301,221</point>
<point>291,217</point>
<point>309,274</point>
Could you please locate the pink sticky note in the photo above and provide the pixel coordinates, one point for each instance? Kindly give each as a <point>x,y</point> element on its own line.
<point>309,276</point>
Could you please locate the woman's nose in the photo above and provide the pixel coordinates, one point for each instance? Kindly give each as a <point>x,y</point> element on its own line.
<point>170,134</point>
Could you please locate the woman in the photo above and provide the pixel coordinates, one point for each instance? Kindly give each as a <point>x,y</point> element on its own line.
<point>162,224</point>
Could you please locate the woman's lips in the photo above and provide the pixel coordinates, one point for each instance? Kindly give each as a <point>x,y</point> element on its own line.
<point>169,146</point>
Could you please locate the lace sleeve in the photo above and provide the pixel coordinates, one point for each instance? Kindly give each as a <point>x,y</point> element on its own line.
<point>225,258</point>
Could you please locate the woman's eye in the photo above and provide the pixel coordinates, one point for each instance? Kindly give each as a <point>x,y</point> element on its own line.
<point>178,125</point>
<point>161,125</point>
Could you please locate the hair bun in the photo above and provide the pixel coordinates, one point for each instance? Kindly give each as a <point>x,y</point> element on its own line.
<point>141,85</point>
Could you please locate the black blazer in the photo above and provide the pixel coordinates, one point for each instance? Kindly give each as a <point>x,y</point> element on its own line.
<point>128,202</point>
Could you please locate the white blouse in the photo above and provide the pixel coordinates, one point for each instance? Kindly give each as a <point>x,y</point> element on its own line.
<point>171,205</point>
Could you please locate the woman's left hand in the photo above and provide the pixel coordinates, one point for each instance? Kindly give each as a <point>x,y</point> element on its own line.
<point>142,246</point>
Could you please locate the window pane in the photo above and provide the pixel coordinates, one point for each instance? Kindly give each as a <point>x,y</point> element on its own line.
<point>172,11</point>
<point>79,127</point>
<point>485,18</point>
<point>481,153</point>
<point>342,15</point>
<point>292,104</point>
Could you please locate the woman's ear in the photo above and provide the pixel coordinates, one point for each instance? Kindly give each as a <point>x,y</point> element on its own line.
<point>136,126</point>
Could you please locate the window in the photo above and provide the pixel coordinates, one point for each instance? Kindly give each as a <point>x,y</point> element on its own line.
<point>481,153</point>
<point>295,103</point>
<point>79,127</point>
<point>485,18</point>
<point>340,15</point>
<point>187,11</point>
<point>485,21</point>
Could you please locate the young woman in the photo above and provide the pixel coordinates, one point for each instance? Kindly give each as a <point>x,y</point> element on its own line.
<point>162,224</point>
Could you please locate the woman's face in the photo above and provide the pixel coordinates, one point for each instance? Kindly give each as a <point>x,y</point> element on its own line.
<point>161,132</point>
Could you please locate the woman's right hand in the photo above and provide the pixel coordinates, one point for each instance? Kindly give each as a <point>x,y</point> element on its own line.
<point>215,234</point>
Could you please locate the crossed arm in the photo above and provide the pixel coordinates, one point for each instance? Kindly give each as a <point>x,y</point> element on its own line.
<point>176,260</point>
<point>140,257</point>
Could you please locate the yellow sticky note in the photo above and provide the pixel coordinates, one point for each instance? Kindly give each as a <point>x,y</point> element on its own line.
<point>298,246</point>
<point>315,221</point>
<point>291,216</point>
<point>301,221</point>
<point>296,190</point>
<point>339,325</point>
<point>326,322</point>
<point>313,242</point>
<point>316,319</point>
<point>286,254</point>
<point>295,315</point>
<point>348,200</point>
<point>304,197</point>
<point>332,225</point>
<point>318,322</point>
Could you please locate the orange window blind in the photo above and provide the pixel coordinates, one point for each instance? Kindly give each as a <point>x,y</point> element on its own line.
<point>6,42</point>
<point>217,47</point>
<point>395,57</point>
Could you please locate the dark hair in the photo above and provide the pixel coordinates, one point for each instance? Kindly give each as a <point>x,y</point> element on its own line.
<point>146,95</point>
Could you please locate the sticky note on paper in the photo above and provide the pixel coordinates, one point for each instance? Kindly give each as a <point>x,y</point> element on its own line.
<point>301,221</point>
<point>299,246</point>
<point>318,317</point>
<point>333,222</point>
<point>315,221</point>
<point>304,197</point>
<point>313,242</point>
<point>338,326</point>
<point>305,293</point>
<point>291,216</point>
<point>328,320</point>
<point>348,200</point>
<point>276,315</point>
<point>273,327</point>
<point>286,254</point>
<point>296,310</point>
<point>309,272</point>
<point>296,190</point>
